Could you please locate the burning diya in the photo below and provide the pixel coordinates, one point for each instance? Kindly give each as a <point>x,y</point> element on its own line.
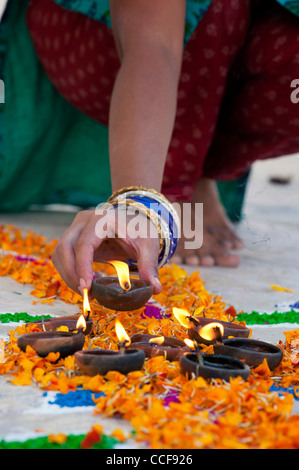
<point>196,332</point>
<point>121,293</point>
<point>211,366</point>
<point>70,321</point>
<point>101,361</point>
<point>252,351</point>
<point>170,348</point>
<point>64,342</point>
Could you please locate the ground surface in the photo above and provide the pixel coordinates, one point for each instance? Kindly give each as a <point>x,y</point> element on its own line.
<point>270,231</point>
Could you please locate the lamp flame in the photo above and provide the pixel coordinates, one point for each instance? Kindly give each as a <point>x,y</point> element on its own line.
<point>182,316</point>
<point>191,344</point>
<point>86,306</point>
<point>212,331</point>
<point>122,334</point>
<point>81,323</point>
<point>159,340</point>
<point>123,274</point>
<point>194,346</point>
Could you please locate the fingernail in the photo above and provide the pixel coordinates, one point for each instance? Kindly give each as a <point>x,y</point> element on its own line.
<point>82,285</point>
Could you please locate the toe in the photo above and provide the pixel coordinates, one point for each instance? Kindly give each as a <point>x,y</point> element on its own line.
<point>214,253</point>
<point>177,259</point>
<point>207,261</point>
<point>238,244</point>
<point>227,260</point>
<point>192,259</point>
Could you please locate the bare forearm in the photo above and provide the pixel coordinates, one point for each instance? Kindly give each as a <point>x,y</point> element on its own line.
<point>142,116</point>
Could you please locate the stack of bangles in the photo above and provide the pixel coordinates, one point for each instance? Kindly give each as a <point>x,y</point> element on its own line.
<point>157,208</point>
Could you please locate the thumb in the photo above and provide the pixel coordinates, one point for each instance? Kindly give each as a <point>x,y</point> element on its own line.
<point>148,254</point>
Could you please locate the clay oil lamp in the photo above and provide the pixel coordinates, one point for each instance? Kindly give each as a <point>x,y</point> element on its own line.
<point>194,325</point>
<point>252,351</point>
<point>70,321</point>
<point>211,366</point>
<point>121,293</point>
<point>64,342</point>
<point>101,361</point>
<point>170,348</point>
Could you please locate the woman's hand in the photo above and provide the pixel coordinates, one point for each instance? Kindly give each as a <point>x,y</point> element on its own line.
<point>102,237</point>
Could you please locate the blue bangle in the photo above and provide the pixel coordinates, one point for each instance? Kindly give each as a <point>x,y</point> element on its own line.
<point>163,210</point>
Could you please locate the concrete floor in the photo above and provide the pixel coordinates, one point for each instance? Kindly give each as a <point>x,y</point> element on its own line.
<point>270,231</point>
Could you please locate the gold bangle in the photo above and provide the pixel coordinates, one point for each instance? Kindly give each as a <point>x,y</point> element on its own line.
<point>137,188</point>
<point>130,188</point>
<point>162,226</point>
<point>144,191</point>
<point>145,211</point>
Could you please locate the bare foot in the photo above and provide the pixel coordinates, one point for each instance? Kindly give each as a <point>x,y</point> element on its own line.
<point>219,237</point>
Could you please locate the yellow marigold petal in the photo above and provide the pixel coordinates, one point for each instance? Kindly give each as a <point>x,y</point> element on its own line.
<point>38,373</point>
<point>97,428</point>
<point>118,434</point>
<point>282,289</point>
<point>232,418</point>
<point>291,335</point>
<point>199,311</point>
<point>25,364</point>
<point>115,376</point>
<point>178,273</point>
<point>38,293</point>
<point>30,351</point>
<point>177,297</point>
<point>62,328</point>
<point>263,369</point>
<point>95,383</point>
<point>57,438</point>
<point>52,357</point>
<point>22,379</point>
<point>69,362</point>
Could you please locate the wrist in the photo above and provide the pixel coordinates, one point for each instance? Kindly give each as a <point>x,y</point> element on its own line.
<point>157,208</point>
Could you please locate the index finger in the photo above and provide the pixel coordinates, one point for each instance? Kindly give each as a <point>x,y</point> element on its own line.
<point>89,240</point>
